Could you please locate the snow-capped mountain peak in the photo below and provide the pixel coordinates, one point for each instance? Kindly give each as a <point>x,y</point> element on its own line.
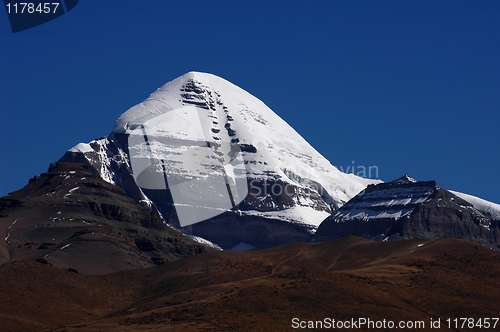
<point>287,180</point>
<point>228,113</point>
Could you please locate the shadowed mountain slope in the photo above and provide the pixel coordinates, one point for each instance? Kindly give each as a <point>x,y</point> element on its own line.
<point>70,218</point>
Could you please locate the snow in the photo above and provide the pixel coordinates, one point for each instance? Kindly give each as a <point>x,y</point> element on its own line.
<point>12,224</point>
<point>297,214</point>
<point>275,138</point>
<point>371,214</point>
<point>204,241</point>
<point>105,161</point>
<point>81,147</point>
<point>392,202</point>
<point>281,153</point>
<point>8,234</point>
<point>71,190</point>
<point>99,154</point>
<point>480,204</point>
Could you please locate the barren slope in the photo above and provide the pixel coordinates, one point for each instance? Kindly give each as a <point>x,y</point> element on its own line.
<point>264,290</point>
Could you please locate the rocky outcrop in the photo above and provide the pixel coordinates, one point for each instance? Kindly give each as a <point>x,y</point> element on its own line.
<point>407,209</point>
<point>71,218</point>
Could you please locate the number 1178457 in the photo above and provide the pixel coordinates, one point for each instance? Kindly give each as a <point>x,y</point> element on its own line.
<point>472,323</point>
<point>31,8</point>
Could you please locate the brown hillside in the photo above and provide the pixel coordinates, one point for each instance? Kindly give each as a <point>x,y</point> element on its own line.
<point>263,290</point>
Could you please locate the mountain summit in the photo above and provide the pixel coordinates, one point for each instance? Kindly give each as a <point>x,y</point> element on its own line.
<point>216,161</point>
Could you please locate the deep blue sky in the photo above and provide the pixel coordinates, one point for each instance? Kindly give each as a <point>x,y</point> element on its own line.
<point>407,86</point>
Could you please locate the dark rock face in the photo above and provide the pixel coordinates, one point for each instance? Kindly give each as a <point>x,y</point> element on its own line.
<point>447,215</point>
<point>71,218</point>
<point>230,228</point>
<point>404,209</point>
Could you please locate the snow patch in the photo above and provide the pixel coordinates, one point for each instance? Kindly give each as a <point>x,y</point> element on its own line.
<point>12,224</point>
<point>81,147</point>
<point>480,204</point>
<point>204,241</point>
<point>296,214</point>
<point>70,192</point>
<point>390,203</point>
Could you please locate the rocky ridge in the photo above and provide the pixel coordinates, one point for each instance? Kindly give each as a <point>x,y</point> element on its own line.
<point>73,219</point>
<point>410,209</point>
